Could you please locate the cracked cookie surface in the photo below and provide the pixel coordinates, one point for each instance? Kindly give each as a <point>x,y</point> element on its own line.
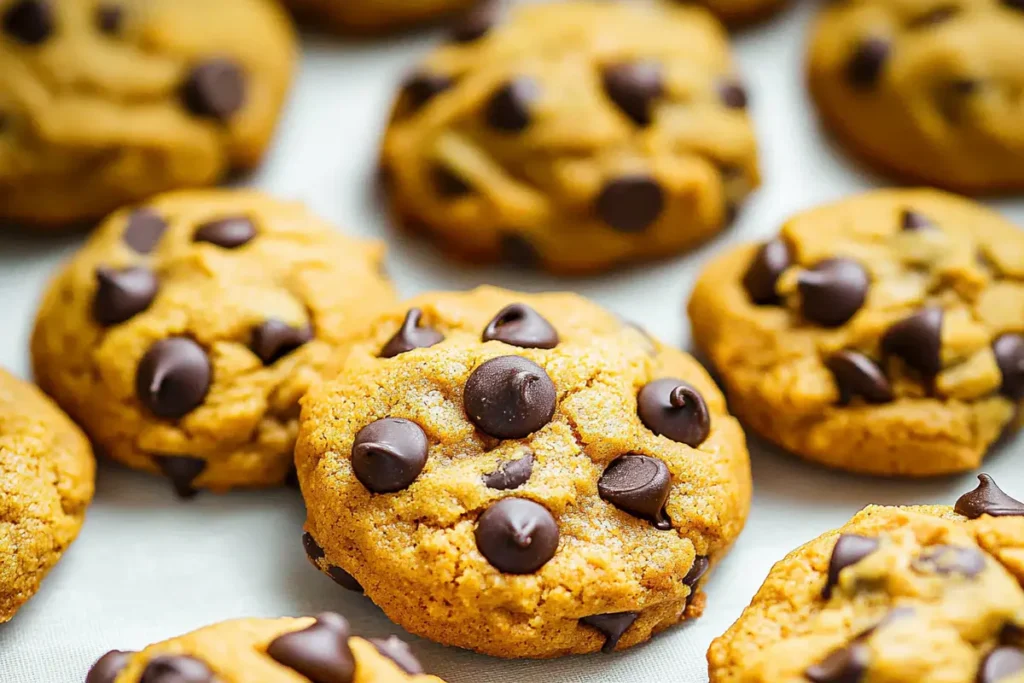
<point>376,16</point>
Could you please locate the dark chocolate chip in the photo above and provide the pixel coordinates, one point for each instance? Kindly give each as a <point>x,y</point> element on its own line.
<point>423,86</point>
<point>173,377</point>
<point>230,232</point>
<point>509,397</point>
<point>733,94</point>
<point>517,536</point>
<point>411,335</point>
<point>771,261</point>
<point>273,339</point>
<point>511,474</point>
<point>214,89</point>
<point>1001,664</point>
<point>630,203</point>
<point>857,375</point>
<point>30,22</point>
<point>1009,350</point>
<point>509,107</point>
<point>633,87</point>
<point>867,63</point>
<point>109,19</point>
<point>144,229</point>
<point>107,667</point>
<point>518,251</point>
<point>389,454</point>
<point>176,669</point>
<point>934,16</point>
<point>476,23</point>
<point>917,340</point>
<point>949,559</point>
<point>344,579</point>
<point>912,221</point>
<point>988,499</point>
<point>397,650</point>
<point>1015,4</point>
<point>611,626</point>
<point>845,665</point>
<point>313,550</point>
<point>122,294</point>
<point>320,652</point>
<point>638,484</point>
<point>182,471</point>
<point>519,325</point>
<point>848,551</point>
<point>700,567</point>
<point>447,184</point>
<point>675,409</point>
<point>833,291</point>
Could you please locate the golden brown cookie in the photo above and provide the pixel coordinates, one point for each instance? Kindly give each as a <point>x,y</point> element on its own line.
<point>521,475</point>
<point>184,333</point>
<point>928,90</point>
<point>310,649</point>
<point>897,595</point>
<point>883,333</point>
<point>46,482</point>
<point>575,136</point>
<point>375,16</point>
<point>106,102</point>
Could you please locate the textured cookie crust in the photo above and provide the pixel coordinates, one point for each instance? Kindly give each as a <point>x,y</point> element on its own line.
<point>927,90</point>
<point>415,551</point>
<point>928,401</point>
<point>375,16</point>
<point>253,325</point>
<point>103,104</point>
<point>46,482</point>
<point>574,136</point>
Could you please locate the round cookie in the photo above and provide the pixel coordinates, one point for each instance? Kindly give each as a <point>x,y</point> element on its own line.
<point>574,136</point>
<point>927,90</point>
<point>899,594</point>
<point>106,102</point>
<point>743,11</point>
<point>881,334</point>
<point>183,334</point>
<point>521,475</point>
<point>375,16</point>
<point>46,482</point>
<point>320,648</point>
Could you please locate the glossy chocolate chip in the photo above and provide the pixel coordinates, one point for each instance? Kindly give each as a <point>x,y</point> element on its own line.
<point>109,19</point>
<point>700,567</point>
<point>917,340</point>
<point>389,454</point>
<point>313,550</point>
<point>215,89</point>
<point>273,339</point>
<point>511,474</point>
<point>397,650</point>
<point>634,87</point>
<point>30,22</point>
<point>411,335</point>
<point>509,397</point>
<point>949,559</point>
<point>476,23</point>
<point>771,261</point>
<point>509,107</point>
<point>423,86</point>
<point>517,536</point>
<point>856,375</point>
<point>611,626</point>
<point>630,204</point>
<point>519,325</point>
<point>447,184</point>
<point>230,232</point>
<point>344,579</point>
<point>1009,350</point>
<point>912,221</point>
<point>638,484</point>
<point>320,652</point>
<point>848,551</point>
<point>867,63</point>
<point>674,409</point>
<point>173,377</point>
<point>833,291</point>
<point>517,251</point>
<point>107,667</point>
<point>733,94</point>
<point>845,665</point>
<point>1001,664</point>
<point>177,669</point>
<point>144,230</point>
<point>122,294</point>
<point>182,471</point>
<point>988,499</point>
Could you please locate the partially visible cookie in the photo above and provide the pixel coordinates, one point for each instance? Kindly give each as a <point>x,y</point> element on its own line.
<point>319,649</point>
<point>46,482</point>
<point>882,334</point>
<point>376,16</point>
<point>183,333</point>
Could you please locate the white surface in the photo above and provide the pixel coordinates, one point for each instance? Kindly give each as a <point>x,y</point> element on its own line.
<point>148,567</point>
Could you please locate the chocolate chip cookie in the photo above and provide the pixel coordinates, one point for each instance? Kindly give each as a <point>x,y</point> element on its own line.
<point>573,136</point>
<point>107,102</point>
<point>318,649</point>
<point>375,16</point>
<point>46,482</point>
<point>521,475</point>
<point>184,332</point>
<point>880,334</point>
<point>928,90</point>
<point>901,595</point>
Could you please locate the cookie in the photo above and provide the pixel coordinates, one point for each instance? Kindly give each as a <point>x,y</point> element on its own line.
<point>376,16</point>
<point>901,595</point>
<point>521,475</point>
<point>926,90</point>
<point>183,333</point>
<point>744,11</point>
<point>320,648</point>
<point>881,334</point>
<point>46,482</point>
<point>104,103</point>
<point>573,136</point>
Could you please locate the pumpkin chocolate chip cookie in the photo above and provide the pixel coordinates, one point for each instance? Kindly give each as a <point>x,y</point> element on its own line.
<point>184,332</point>
<point>375,16</point>
<point>521,475</point>
<point>880,334</point>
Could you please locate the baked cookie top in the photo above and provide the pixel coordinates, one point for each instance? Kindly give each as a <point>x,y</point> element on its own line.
<point>883,333</point>
<point>522,475</point>
<point>182,335</point>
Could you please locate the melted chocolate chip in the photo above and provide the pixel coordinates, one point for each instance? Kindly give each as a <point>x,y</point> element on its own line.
<point>857,375</point>
<point>638,484</point>
<point>949,559</point>
<point>630,204</point>
<point>273,339</point>
<point>674,409</point>
<point>344,579</point>
<point>509,397</point>
<point>845,665</point>
<point>176,669</point>
<point>848,551</point>
<point>423,86</point>
<point>447,184</point>
<point>122,294</point>
<point>398,651</point>
<point>771,261</point>
<point>182,471</point>
<point>30,22</point>
<point>519,325</point>
<point>611,626</point>
<point>1009,350</point>
<point>517,536</point>
<point>411,335</point>
<point>477,23</point>
<point>634,87</point>
<point>988,499</point>
<point>867,63</point>
<point>733,94</point>
<point>109,19</point>
<point>511,474</point>
<point>107,667</point>
<point>1000,664</point>
<point>389,454</point>
<point>918,341</point>
<point>518,251</point>
<point>912,221</point>
<point>144,229</point>
<point>229,233</point>
<point>508,110</point>
<point>215,89</point>
<point>313,550</point>
<point>320,652</point>
<point>833,291</point>
<point>700,567</point>
<point>173,377</point>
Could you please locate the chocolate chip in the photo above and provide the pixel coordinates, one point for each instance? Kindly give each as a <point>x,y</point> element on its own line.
<point>423,86</point>
<point>519,325</point>
<point>411,336</point>
<point>1015,4</point>
<point>173,377</point>
<point>30,22</point>
<point>845,665</point>
<point>509,397</point>
<point>833,291</point>
<point>949,559</point>
<point>633,87</point>
<point>611,626</point>
<point>398,651</point>
<point>182,471</point>
<point>672,408</point>
<point>109,19</point>
<point>631,203</point>
<point>176,669</point>
<point>389,454</point>
<point>518,251</point>
<point>344,579</point>
<point>511,474</point>
<point>230,232</point>
<point>848,551</point>
<point>122,294</point>
<point>477,23</point>
<point>700,567</point>
<point>918,341</point>
<point>107,667</point>
<point>638,484</point>
<point>320,652</point>
<point>273,339</point>
<point>988,499</point>
<point>934,16</point>
<point>912,221</point>
<point>771,261</point>
<point>447,184</point>
<point>865,67</point>
<point>517,536</point>
<point>1009,350</point>
<point>857,375</point>
<point>313,550</point>
<point>509,107</point>
<point>214,89</point>
<point>144,229</point>
<point>733,94</point>
<point>1000,664</point>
